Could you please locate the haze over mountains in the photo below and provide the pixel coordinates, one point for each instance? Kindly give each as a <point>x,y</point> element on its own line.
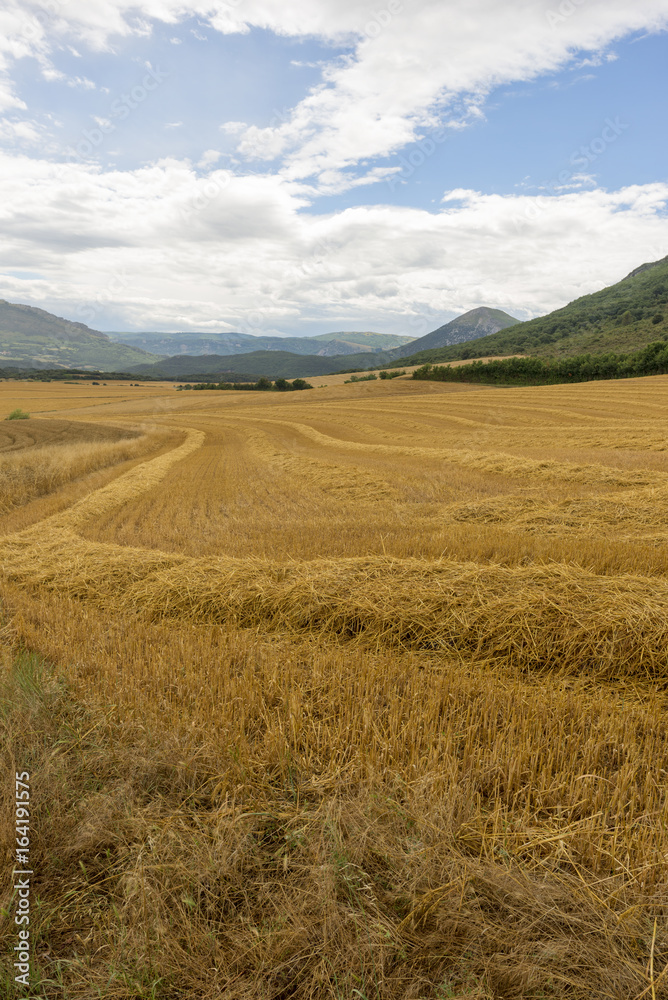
<point>623,317</point>
<point>32,337</point>
<point>284,364</point>
<point>323,345</point>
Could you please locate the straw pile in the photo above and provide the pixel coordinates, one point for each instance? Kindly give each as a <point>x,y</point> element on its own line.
<point>554,616</point>
<point>121,491</point>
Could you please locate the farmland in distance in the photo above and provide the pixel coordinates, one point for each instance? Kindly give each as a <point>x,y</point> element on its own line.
<point>355,692</point>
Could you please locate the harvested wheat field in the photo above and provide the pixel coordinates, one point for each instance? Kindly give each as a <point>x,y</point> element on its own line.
<point>359,694</point>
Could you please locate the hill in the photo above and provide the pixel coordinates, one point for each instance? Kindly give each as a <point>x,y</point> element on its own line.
<point>621,318</point>
<point>470,326</point>
<point>358,342</point>
<point>223,344</point>
<point>287,364</point>
<point>274,364</point>
<point>528,370</point>
<point>31,337</point>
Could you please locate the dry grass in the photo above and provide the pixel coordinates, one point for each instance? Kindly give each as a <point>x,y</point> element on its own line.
<point>44,455</point>
<point>319,822</point>
<point>36,433</point>
<point>361,696</point>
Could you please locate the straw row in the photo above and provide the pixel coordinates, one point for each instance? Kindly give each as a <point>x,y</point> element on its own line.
<point>494,462</point>
<point>635,511</point>
<point>554,616</point>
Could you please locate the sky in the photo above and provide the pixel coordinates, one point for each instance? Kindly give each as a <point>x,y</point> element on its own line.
<point>327,165</point>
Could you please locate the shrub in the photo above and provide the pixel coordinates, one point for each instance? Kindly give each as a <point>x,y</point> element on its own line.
<point>657,318</point>
<point>18,414</point>
<point>651,360</point>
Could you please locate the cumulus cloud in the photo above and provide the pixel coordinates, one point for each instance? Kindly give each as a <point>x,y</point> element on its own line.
<point>233,128</point>
<point>19,132</point>
<point>208,158</point>
<point>179,250</point>
<point>409,63</point>
<point>421,62</point>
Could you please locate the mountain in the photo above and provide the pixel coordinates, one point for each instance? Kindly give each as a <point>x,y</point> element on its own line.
<point>31,337</point>
<point>470,326</point>
<point>194,344</point>
<point>622,318</point>
<point>274,364</point>
<point>363,341</point>
<point>287,364</point>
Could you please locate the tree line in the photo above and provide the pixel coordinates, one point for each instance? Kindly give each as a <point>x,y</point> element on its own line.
<point>651,360</point>
<point>262,385</point>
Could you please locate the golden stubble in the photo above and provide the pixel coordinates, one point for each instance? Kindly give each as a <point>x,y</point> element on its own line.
<point>376,686</point>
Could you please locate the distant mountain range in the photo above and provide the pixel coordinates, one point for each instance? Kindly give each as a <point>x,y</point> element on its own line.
<point>621,318</point>
<point>624,317</point>
<point>285,364</point>
<point>223,344</point>
<point>31,337</point>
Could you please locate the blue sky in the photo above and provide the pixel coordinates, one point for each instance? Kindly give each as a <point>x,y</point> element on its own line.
<point>221,166</point>
<point>209,79</point>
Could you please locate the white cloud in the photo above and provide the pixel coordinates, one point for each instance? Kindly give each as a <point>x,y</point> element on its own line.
<point>193,252</point>
<point>19,131</point>
<point>208,158</point>
<point>422,61</point>
<point>411,62</point>
<point>233,128</point>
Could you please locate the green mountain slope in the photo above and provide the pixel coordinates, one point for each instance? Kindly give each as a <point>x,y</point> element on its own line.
<point>30,336</point>
<point>621,318</point>
<point>274,364</point>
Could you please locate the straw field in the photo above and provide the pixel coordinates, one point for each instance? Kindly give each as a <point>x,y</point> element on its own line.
<point>38,456</point>
<point>356,695</point>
